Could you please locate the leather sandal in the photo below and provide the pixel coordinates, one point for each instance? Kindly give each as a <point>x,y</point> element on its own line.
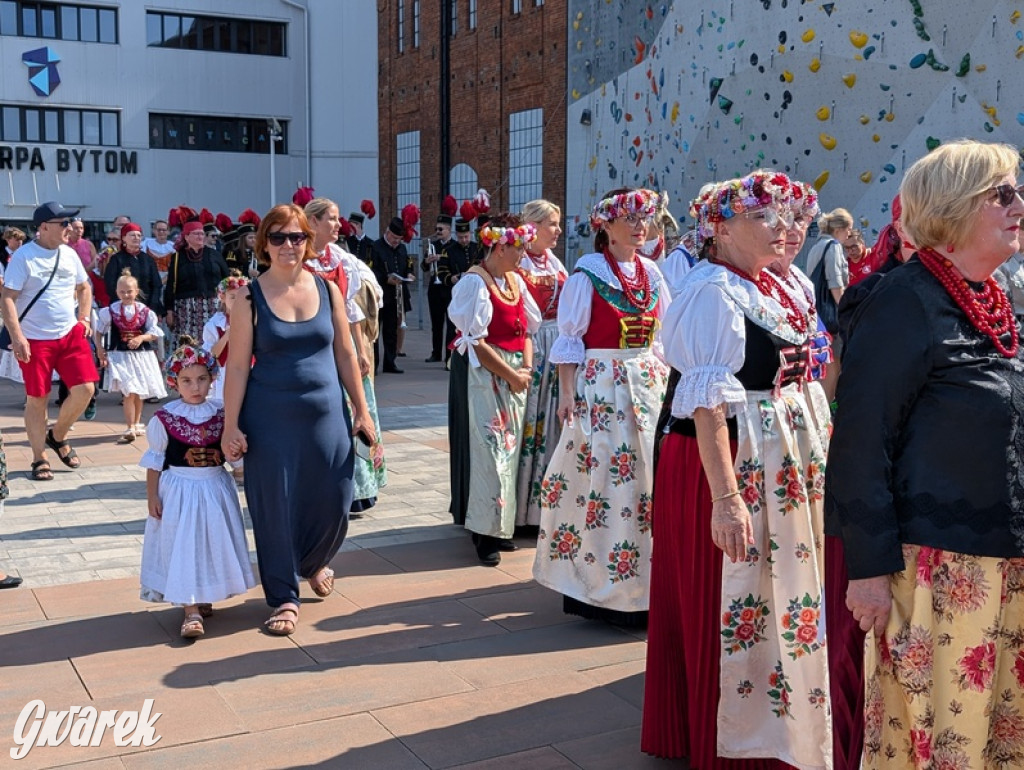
<point>192,627</point>
<point>41,471</point>
<point>323,586</point>
<point>282,626</point>
<point>71,458</point>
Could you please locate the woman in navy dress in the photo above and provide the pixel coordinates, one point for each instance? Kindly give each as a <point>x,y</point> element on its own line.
<point>288,417</point>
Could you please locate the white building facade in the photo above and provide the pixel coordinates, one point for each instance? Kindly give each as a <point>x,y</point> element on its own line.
<point>172,102</point>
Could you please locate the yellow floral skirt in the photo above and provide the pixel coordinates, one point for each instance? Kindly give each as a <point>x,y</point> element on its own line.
<point>945,685</point>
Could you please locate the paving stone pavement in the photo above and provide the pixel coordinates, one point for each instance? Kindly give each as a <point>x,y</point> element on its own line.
<point>421,658</point>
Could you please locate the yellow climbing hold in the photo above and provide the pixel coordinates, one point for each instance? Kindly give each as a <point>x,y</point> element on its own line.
<point>575,94</point>
<point>593,162</point>
<point>782,49</point>
<point>808,36</point>
<point>981,68</point>
<point>859,39</point>
<point>674,116</point>
<point>876,138</point>
<point>787,76</point>
<point>991,111</point>
<point>889,117</point>
<point>821,181</point>
<point>823,113</point>
<point>815,64</point>
<point>1014,17</point>
<point>827,141</point>
<point>1020,51</point>
<point>576,24</point>
<point>866,177</point>
<point>849,80</point>
<point>864,120</point>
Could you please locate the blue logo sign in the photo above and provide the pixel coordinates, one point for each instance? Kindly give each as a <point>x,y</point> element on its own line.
<point>42,70</point>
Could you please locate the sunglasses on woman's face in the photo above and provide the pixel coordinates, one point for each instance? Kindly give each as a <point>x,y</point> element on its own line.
<point>1005,193</point>
<point>278,239</point>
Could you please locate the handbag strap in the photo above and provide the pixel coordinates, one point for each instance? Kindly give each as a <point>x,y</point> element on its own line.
<point>46,286</point>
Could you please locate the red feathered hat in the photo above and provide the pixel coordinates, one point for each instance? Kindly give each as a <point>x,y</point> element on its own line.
<point>410,218</point>
<point>449,206</point>
<point>367,208</point>
<point>186,215</point>
<point>346,227</point>
<point>248,222</point>
<point>172,218</point>
<point>302,196</point>
<point>224,223</point>
<point>468,211</point>
<point>482,201</point>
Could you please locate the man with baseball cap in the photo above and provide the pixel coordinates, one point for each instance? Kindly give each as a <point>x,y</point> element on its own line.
<point>47,298</point>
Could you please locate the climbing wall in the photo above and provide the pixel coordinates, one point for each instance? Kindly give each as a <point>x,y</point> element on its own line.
<point>842,94</point>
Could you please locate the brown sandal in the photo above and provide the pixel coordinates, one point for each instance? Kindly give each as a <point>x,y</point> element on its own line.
<point>279,626</point>
<point>325,584</point>
<point>192,628</point>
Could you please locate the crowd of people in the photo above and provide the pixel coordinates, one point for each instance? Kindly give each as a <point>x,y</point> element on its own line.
<point>828,579</point>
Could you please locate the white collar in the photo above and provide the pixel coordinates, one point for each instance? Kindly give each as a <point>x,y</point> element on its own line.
<point>194,413</point>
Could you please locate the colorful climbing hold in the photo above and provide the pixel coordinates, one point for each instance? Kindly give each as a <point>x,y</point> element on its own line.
<point>787,76</point>
<point>821,181</point>
<point>866,177</point>
<point>965,65</point>
<point>808,36</point>
<point>889,117</point>
<point>876,138</point>
<point>815,64</point>
<point>918,60</point>
<point>827,141</point>
<point>868,51</point>
<point>724,104</point>
<point>889,168</point>
<point>931,143</point>
<point>864,120</point>
<point>858,39</point>
<point>849,80</point>
<point>823,113</point>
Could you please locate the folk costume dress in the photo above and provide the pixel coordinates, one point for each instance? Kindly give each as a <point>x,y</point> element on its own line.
<point>131,371</point>
<point>213,332</point>
<point>737,673</point>
<point>926,487</point>
<point>544,276</point>
<point>594,543</point>
<point>197,552</point>
<point>341,268</point>
<point>191,289</point>
<point>501,312</point>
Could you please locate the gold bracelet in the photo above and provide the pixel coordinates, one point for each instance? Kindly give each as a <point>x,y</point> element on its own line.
<point>726,496</point>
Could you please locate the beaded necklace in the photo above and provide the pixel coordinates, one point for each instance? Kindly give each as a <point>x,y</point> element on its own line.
<point>768,285</point>
<point>540,260</point>
<point>987,308</point>
<point>637,289</point>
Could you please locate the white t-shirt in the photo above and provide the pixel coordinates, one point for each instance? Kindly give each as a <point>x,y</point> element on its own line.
<point>156,248</point>
<point>54,314</point>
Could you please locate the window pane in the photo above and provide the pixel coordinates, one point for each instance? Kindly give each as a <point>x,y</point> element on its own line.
<point>190,133</point>
<point>276,47</point>
<point>72,127</point>
<point>172,133</point>
<point>12,124</point>
<point>28,21</point>
<point>261,38</point>
<point>172,31</point>
<point>188,32</point>
<point>109,124</point>
<point>154,33</point>
<point>243,37</point>
<point>108,26</point>
<point>90,128</point>
<point>51,123</point>
<point>90,25</point>
<point>32,133</point>
<point>8,18</point>
<point>223,40</point>
<point>48,18</point>
<point>205,31</point>
<point>227,139</point>
<point>69,23</point>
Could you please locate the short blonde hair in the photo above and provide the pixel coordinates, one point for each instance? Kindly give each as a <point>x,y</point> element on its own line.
<point>834,220</point>
<point>943,190</point>
<point>537,211</point>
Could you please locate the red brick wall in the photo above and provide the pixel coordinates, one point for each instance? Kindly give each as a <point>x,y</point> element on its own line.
<point>507,64</point>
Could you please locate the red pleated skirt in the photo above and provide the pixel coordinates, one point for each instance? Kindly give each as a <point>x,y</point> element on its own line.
<point>845,662</point>
<point>681,687</point>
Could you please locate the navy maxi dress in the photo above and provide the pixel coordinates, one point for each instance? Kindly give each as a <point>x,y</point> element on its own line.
<point>299,464</point>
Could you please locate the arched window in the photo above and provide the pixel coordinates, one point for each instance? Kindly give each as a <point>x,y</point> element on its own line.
<point>462,182</point>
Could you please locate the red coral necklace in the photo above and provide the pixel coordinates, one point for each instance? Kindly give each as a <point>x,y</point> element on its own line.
<point>987,308</point>
<point>637,289</point>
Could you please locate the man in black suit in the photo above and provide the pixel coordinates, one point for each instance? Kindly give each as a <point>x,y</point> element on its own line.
<point>439,291</point>
<point>359,244</point>
<point>390,264</point>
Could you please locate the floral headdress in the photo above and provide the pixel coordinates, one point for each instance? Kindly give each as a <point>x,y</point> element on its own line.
<point>645,203</point>
<point>804,199</point>
<point>189,354</point>
<point>725,200</point>
<point>519,237</point>
<point>232,283</point>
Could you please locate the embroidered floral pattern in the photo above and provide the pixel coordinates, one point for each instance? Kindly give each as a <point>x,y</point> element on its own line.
<point>601,412</point>
<point>499,436</point>
<point>623,465</point>
<point>799,625</point>
<point>976,667</point>
<point>551,490</point>
<point>744,624</point>
<point>618,371</point>
<point>585,460</point>
<point>817,698</point>
<point>750,480</point>
<point>565,543</point>
<point>644,513</point>
<point>779,689</point>
<point>910,649</point>
<point>597,508</point>
<point>815,478</point>
<point>623,562</point>
<point>790,492</point>
<point>593,368</point>
<point>959,587</point>
<point>802,552</point>
<point>745,688</point>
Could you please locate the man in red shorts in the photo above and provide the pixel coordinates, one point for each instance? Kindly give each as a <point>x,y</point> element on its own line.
<point>47,299</point>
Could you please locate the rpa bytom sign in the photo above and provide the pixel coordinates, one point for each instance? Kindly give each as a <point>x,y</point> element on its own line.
<point>61,159</point>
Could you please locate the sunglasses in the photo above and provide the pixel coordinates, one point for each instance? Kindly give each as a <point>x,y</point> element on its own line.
<point>61,222</point>
<point>1005,193</point>
<point>278,239</point>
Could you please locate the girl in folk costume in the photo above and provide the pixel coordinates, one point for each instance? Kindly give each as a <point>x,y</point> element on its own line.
<point>595,531</point>
<point>494,314</point>
<point>335,264</point>
<point>544,275</point>
<point>132,368</point>
<point>737,673</point>
<point>194,550</point>
<point>215,332</point>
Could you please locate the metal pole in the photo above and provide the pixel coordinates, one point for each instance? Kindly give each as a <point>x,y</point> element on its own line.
<point>273,179</point>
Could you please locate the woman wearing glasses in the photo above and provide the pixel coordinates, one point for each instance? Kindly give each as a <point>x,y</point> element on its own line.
<point>737,674</point>
<point>193,274</point>
<point>926,474</point>
<point>595,525</point>
<point>288,417</point>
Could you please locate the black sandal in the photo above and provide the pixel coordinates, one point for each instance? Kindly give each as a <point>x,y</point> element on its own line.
<point>41,471</point>
<point>71,458</point>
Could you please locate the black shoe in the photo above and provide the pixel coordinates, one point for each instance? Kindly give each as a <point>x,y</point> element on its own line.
<point>10,582</point>
<point>507,544</point>
<point>432,360</point>
<point>393,370</point>
<point>487,550</point>
<point>153,400</point>
<point>400,355</point>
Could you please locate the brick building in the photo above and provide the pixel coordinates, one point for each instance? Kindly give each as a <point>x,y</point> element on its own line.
<point>472,93</point>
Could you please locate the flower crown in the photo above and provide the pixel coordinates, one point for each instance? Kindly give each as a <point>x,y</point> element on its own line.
<point>186,356</point>
<point>645,203</point>
<point>725,200</point>
<point>232,283</point>
<point>804,199</point>
<point>519,237</point>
